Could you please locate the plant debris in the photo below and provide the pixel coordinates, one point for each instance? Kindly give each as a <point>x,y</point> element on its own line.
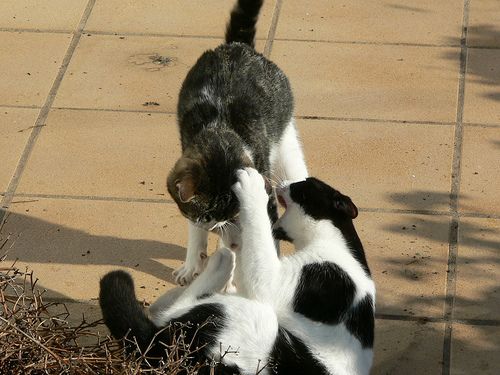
<point>36,337</point>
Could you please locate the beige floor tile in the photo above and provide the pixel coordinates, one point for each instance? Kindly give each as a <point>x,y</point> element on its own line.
<point>480,173</point>
<point>484,21</point>
<point>371,81</point>
<point>50,15</point>
<point>399,21</point>
<point>70,244</point>
<point>15,128</point>
<point>29,70</point>
<point>475,350</point>
<point>407,255</point>
<point>176,17</point>
<point>120,72</point>
<point>103,153</point>
<point>482,87</point>
<point>382,164</point>
<point>410,348</point>
<point>477,288</point>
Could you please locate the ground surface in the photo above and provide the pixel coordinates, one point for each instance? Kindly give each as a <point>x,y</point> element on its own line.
<point>398,105</point>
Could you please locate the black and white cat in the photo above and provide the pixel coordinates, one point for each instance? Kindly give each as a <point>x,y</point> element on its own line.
<point>308,313</point>
<point>235,110</point>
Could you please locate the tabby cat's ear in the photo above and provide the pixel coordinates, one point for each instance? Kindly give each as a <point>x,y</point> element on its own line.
<point>186,188</point>
<point>184,179</point>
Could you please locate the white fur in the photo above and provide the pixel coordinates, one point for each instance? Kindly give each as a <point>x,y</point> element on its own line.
<point>274,281</point>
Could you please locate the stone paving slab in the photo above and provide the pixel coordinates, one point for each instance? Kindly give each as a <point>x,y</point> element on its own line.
<point>397,103</point>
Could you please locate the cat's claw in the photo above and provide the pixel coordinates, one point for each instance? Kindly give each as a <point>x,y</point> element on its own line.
<point>190,270</point>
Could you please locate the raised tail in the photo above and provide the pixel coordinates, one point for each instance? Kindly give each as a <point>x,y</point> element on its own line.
<point>122,313</point>
<point>241,27</point>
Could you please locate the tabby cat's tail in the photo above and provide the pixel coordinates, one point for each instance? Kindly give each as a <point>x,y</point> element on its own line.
<point>241,27</point>
<point>123,315</point>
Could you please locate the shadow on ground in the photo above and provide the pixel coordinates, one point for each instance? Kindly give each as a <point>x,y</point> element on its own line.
<point>483,64</point>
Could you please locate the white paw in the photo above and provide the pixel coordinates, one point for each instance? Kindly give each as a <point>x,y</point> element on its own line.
<point>250,189</point>
<point>221,261</point>
<point>185,274</point>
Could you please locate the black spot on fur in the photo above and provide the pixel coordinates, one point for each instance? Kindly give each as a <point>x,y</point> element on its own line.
<point>280,234</point>
<point>324,293</point>
<point>290,356</point>
<point>322,202</point>
<point>360,322</point>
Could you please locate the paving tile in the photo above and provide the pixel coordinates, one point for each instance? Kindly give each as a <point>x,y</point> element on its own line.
<point>28,70</point>
<point>407,255</point>
<point>103,153</point>
<point>387,165</point>
<point>475,350</point>
<point>411,348</point>
<point>15,128</point>
<point>484,21</point>
<point>124,72</point>
<point>176,17</point>
<point>482,87</point>
<point>480,176</point>
<point>399,21</point>
<point>477,288</point>
<point>50,15</point>
<point>71,244</point>
<point>371,81</point>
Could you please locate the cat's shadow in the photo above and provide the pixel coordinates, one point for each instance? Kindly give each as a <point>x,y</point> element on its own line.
<point>34,241</point>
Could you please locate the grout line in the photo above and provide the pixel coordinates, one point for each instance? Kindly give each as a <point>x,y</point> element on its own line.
<point>170,35</point>
<point>15,106</point>
<point>404,211</point>
<point>474,124</point>
<point>42,116</point>
<point>451,278</point>
<point>272,29</point>
<point>477,215</point>
<point>32,30</point>
<point>93,198</point>
<point>304,117</point>
<point>114,110</point>
<point>366,42</point>
<point>410,122</point>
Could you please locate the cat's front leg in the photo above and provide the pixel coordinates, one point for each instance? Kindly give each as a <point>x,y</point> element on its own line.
<point>196,256</point>
<point>257,259</point>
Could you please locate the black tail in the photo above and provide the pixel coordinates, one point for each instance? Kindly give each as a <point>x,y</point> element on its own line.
<point>122,313</point>
<point>241,27</point>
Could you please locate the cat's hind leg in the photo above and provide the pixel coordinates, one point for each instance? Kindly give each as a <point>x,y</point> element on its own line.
<point>196,255</point>
<point>287,157</point>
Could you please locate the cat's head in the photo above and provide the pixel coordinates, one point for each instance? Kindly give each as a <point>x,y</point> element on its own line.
<point>201,180</point>
<point>308,202</point>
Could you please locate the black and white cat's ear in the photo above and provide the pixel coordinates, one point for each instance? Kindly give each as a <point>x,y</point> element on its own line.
<point>344,204</point>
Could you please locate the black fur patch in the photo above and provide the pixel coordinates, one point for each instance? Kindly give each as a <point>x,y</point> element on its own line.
<point>290,356</point>
<point>324,293</point>
<point>123,314</point>
<point>280,234</point>
<point>360,322</point>
<point>322,202</point>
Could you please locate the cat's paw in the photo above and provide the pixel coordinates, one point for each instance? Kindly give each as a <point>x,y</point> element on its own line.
<point>250,189</point>
<point>185,274</point>
<point>220,264</point>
